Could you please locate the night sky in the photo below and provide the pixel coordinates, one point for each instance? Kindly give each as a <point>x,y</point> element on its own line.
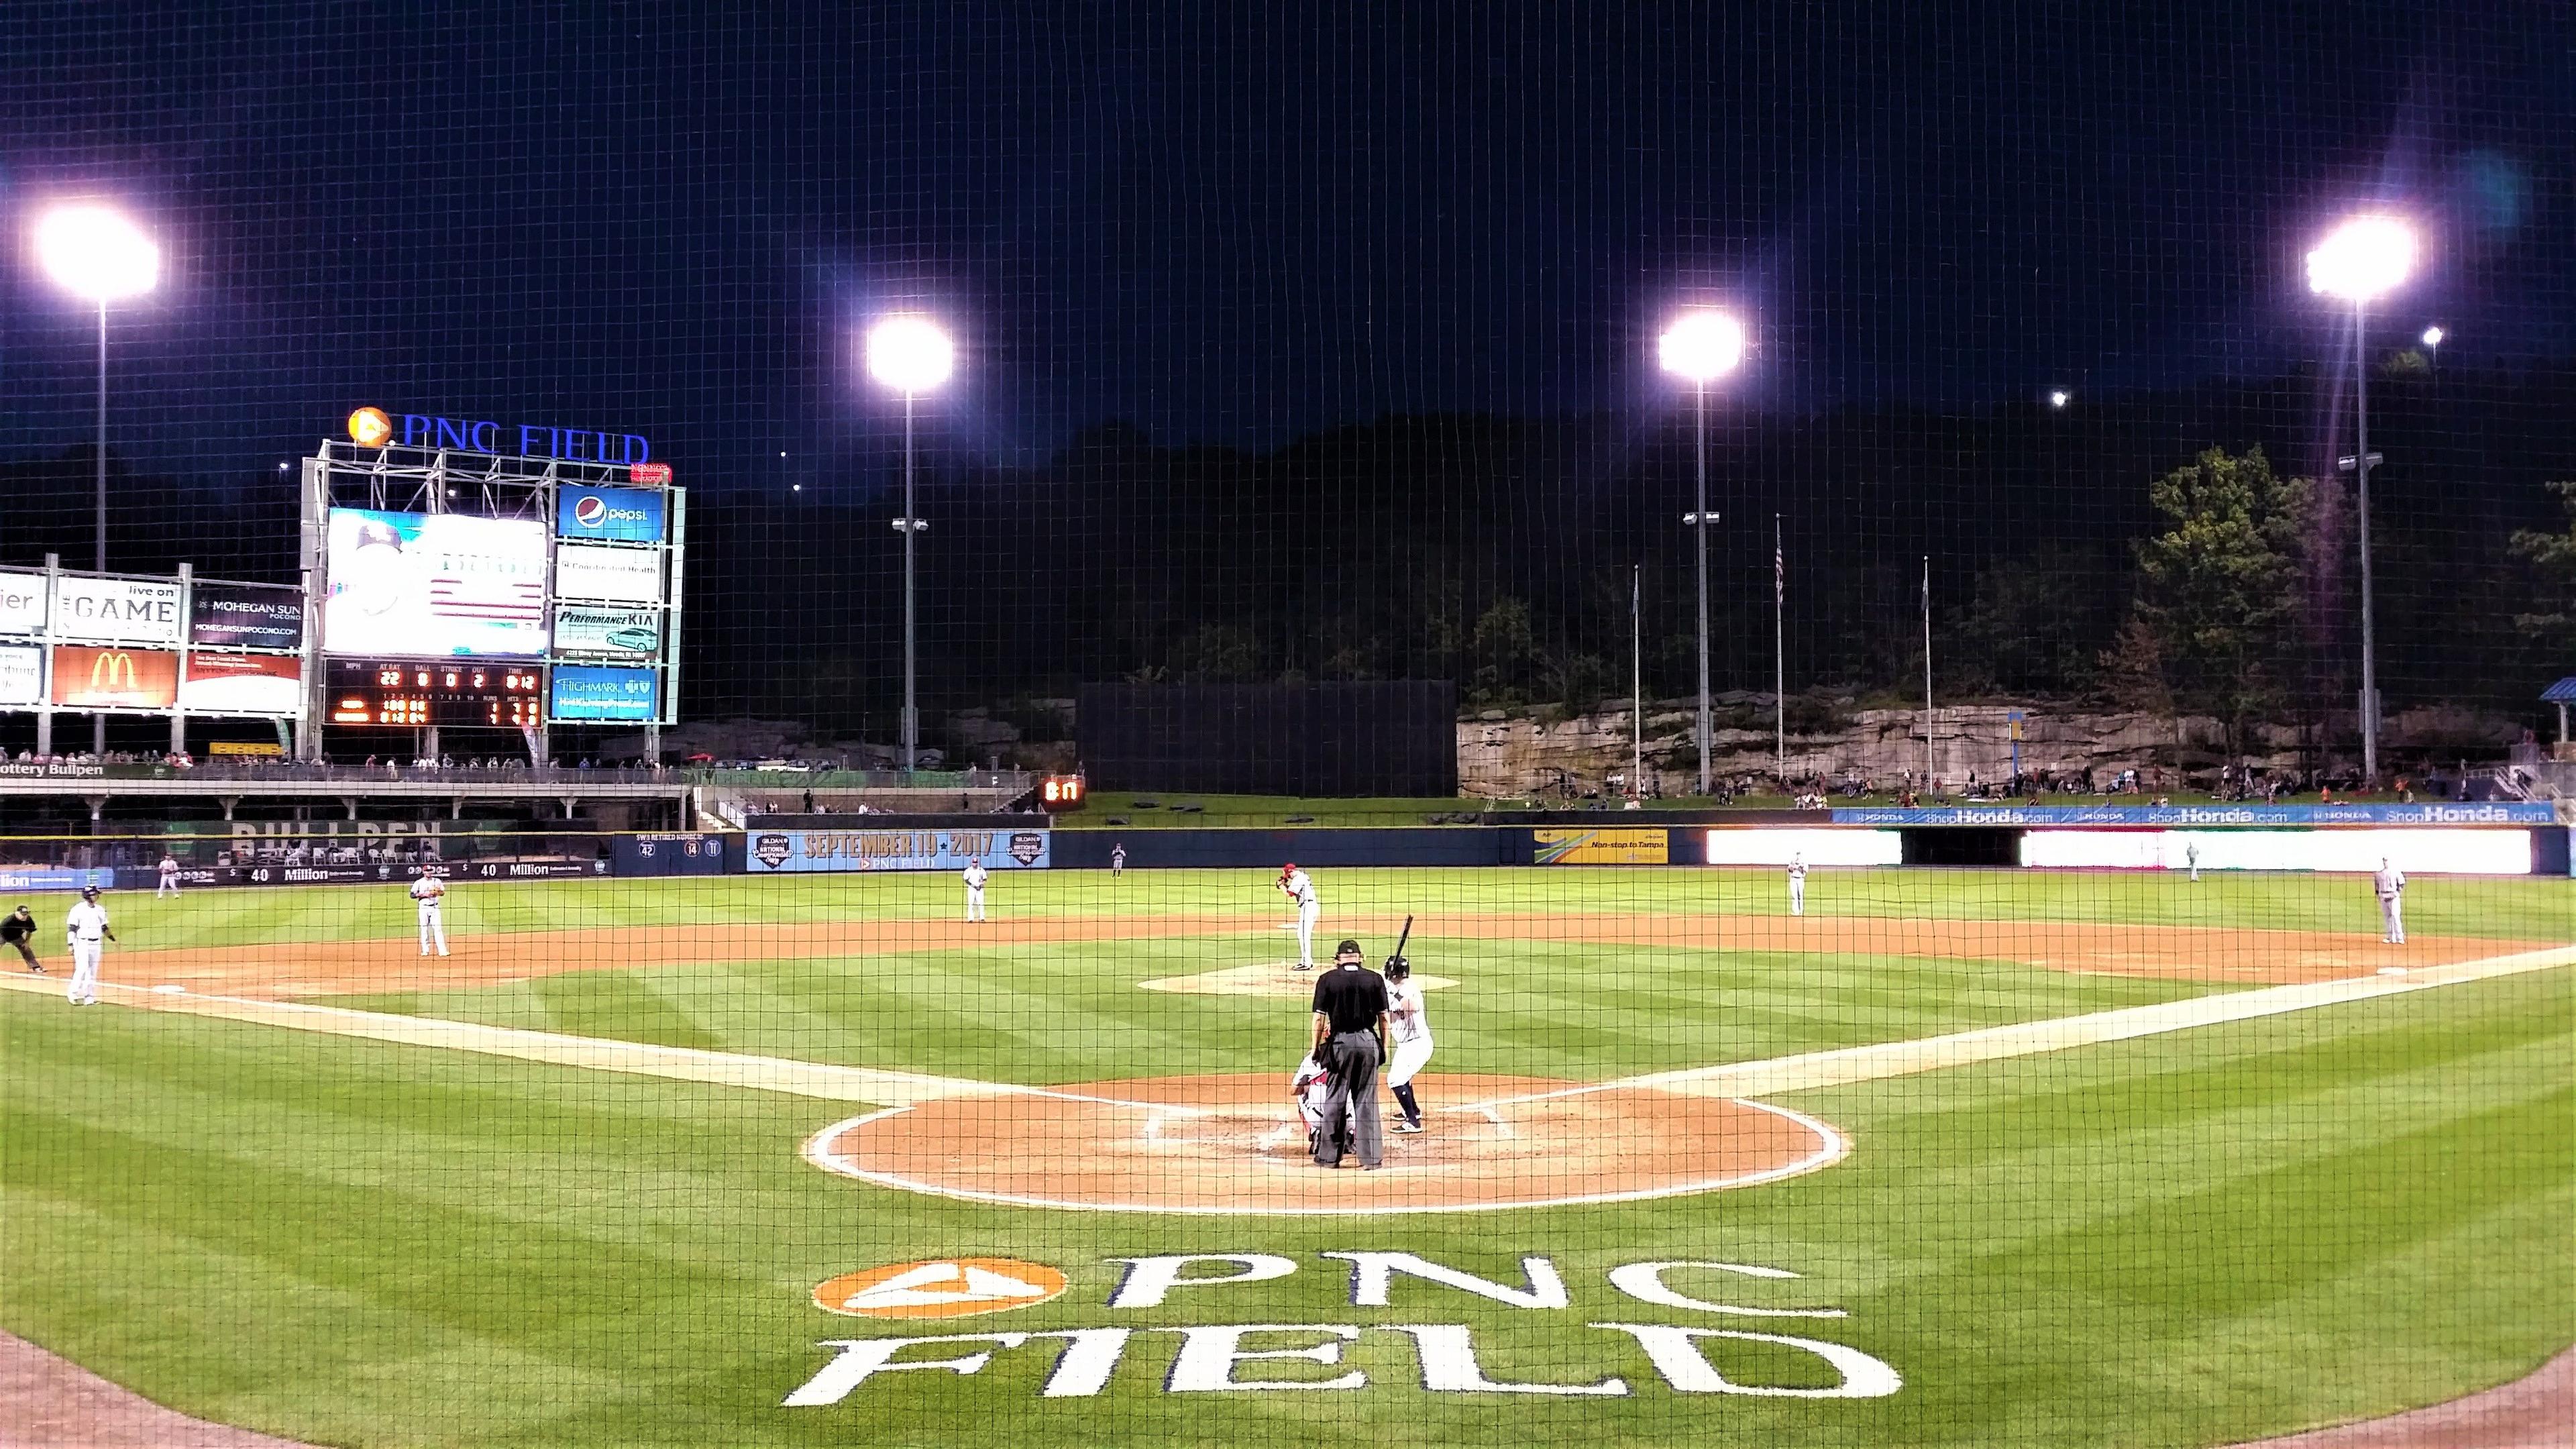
<point>1237,223</point>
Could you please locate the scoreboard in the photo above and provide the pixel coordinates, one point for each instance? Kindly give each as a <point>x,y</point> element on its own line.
<point>410,693</point>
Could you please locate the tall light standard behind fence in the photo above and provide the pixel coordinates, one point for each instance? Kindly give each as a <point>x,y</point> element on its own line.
<point>2364,258</point>
<point>912,355</point>
<point>93,252</point>
<point>1700,347</point>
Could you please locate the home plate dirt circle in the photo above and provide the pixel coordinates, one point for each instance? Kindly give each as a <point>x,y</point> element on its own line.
<point>1233,1144</point>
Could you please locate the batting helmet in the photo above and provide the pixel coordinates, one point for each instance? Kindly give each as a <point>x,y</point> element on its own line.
<point>89,893</point>
<point>1397,968</point>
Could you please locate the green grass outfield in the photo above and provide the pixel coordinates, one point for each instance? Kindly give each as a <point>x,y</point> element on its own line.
<point>2182,1240</point>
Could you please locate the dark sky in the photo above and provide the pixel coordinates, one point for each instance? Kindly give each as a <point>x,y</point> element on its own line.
<point>1237,223</point>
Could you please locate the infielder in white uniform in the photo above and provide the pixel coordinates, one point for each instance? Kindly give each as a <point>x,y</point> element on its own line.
<point>1408,1031</point>
<point>169,877</point>
<point>2390,884</point>
<point>86,928</point>
<point>1797,883</point>
<point>975,878</point>
<point>1295,884</point>
<point>428,891</point>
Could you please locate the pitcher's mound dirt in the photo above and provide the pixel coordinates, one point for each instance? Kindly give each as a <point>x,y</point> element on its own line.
<point>1278,979</point>
<point>1234,1144</point>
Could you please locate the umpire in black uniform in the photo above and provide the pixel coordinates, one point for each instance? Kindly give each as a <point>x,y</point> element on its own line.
<point>1350,1042</point>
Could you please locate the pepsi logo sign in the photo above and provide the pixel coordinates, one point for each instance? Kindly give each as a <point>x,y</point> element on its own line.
<point>590,512</point>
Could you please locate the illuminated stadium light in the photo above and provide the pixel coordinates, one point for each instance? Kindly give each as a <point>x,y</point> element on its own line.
<point>2365,258</point>
<point>910,354</point>
<point>2433,336</point>
<point>1701,346</point>
<point>93,252</point>
<point>2060,398</point>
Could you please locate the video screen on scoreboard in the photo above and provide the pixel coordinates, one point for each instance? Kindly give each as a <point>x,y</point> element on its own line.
<point>435,585</point>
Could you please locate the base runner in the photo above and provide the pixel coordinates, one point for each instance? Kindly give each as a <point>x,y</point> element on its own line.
<point>428,891</point>
<point>87,929</point>
<point>1299,887</point>
<point>1408,1039</point>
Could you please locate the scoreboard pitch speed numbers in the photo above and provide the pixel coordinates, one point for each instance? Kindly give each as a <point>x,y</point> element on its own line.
<point>411,693</point>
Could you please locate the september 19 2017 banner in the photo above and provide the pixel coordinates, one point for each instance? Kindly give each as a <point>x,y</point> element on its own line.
<point>788,851</point>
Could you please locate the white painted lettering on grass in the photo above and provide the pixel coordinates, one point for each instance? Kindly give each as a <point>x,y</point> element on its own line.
<point>1676,1354</point>
<point>1645,1283</point>
<point>1449,1366</point>
<point>1150,1280</point>
<point>1205,1364</point>
<point>1373,1276</point>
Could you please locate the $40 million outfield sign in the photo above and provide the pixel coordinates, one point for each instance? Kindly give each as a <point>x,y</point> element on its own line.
<point>1264,1357</point>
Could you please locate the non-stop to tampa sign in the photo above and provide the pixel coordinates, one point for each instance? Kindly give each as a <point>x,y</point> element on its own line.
<point>1272,1357</point>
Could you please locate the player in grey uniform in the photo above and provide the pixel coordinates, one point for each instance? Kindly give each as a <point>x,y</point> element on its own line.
<point>1797,883</point>
<point>2389,884</point>
<point>1350,1040</point>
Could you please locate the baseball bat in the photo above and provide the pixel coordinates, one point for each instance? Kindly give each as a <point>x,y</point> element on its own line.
<point>1407,935</point>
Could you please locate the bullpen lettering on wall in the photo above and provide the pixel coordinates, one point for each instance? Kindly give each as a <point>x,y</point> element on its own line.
<point>788,851</point>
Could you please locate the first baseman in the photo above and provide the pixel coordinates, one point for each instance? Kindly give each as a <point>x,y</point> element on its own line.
<point>1409,1039</point>
<point>1299,887</point>
<point>18,929</point>
<point>87,929</point>
<point>2389,883</point>
<point>428,891</point>
<point>169,877</point>
<point>975,878</point>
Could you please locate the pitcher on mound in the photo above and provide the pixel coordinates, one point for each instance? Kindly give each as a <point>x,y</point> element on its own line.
<point>1298,887</point>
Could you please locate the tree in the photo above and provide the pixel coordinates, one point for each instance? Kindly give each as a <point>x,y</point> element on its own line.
<point>2553,557</point>
<point>1504,649</point>
<point>2218,589</point>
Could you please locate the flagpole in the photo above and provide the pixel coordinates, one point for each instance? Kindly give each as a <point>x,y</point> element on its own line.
<point>1636,687</point>
<point>1779,654</point>
<point>1927,672</point>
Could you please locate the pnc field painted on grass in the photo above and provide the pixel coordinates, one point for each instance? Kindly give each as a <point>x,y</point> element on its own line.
<point>2184,1239</point>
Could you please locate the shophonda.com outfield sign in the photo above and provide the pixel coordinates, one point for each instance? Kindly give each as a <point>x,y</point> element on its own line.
<point>1722,1347</point>
<point>2499,812</point>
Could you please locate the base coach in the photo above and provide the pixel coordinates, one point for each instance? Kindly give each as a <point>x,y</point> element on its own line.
<point>1350,1041</point>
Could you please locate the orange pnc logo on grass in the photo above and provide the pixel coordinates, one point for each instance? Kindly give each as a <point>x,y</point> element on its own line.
<point>939,1288</point>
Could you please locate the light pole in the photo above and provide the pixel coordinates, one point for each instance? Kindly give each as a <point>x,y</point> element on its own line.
<point>93,252</point>
<point>2364,258</point>
<point>912,355</point>
<point>2433,353</point>
<point>1699,347</point>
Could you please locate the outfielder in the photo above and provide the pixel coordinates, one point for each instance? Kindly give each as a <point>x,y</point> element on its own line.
<point>169,877</point>
<point>1797,883</point>
<point>1408,1039</point>
<point>429,890</point>
<point>1117,860</point>
<point>976,875</point>
<point>2191,857</point>
<point>87,929</point>
<point>2390,885</point>
<point>1298,887</point>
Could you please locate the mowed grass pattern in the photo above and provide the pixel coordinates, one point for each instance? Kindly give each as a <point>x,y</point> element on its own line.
<point>2183,1240</point>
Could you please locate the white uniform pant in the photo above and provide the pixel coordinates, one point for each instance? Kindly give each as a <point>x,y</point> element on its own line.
<point>84,982</point>
<point>169,887</point>
<point>974,903</point>
<point>1797,895</point>
<point>433,929</point>
<point>1406,1060</point>
<point>2392,912</point>
<point>1307,914</point>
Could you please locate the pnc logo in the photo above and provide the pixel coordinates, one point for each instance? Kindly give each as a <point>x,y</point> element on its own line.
<point>370,428</point>
<point>940,1288</point>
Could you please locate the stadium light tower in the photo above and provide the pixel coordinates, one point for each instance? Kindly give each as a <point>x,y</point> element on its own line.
<point>93,252</point>
<point>912,355</point>
<point>1700,346</point>
<point>2362,259</point>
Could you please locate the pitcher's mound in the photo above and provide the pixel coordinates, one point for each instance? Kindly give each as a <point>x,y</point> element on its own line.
<point>1233,1144</point>
<point>1264,978</point>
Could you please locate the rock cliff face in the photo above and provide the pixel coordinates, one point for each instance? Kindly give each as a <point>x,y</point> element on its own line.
<point>1503,755</point>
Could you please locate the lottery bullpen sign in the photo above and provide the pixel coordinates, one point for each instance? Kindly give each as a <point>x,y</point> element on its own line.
<point>1694,1357</point>
<point>787,851</point>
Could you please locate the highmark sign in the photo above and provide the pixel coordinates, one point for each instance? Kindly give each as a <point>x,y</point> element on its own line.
<point>1268,1357</point>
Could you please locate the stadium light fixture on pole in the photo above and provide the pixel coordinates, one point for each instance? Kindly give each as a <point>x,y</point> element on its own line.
<point>1701,346</point>
<point>912,355</point>
<point>2364,258</point>
<point>93,252</point>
